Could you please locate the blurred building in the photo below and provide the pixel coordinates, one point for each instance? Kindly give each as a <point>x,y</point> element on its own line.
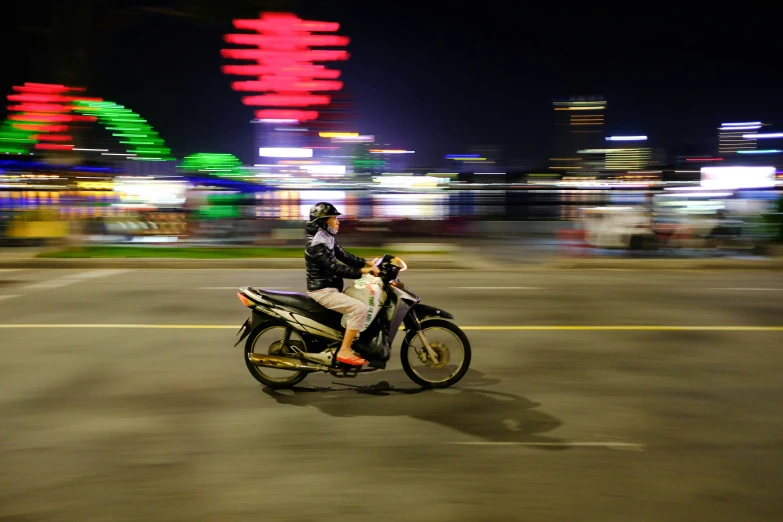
<point>492,154</point>
<point>579,125</point>
<point>149,168</point>
<point>628,158</point>
<point>731,140</point>
<point>278,134</point>
<point>395,160</point>
<point>339,116</point>
<point>366,161</point>
<point>629,153</point>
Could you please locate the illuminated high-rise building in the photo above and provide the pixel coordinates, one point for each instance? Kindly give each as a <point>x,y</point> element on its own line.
<point>579,125</point>
<point>340,115</point>
<point>347,149</point>
<point>626,154</point>
<point>628,158</point>
<point>730,137</point>
<point>278,134</point>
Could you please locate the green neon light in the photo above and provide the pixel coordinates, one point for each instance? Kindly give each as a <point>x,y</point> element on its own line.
<point>218,163</point>
<point>14,140</point>
<point>130,125</point>
<point>127,120</point>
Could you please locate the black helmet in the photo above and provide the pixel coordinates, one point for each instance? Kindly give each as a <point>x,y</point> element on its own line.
<point>322,210</point>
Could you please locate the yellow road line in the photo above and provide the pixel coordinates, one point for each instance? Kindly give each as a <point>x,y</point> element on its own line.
<point>131,326</point>
<point>634,328</point>
<point>135,326</point>
<point>599,328</point>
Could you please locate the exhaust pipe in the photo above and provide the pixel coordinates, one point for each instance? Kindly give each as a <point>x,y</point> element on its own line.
<point>284,363</point>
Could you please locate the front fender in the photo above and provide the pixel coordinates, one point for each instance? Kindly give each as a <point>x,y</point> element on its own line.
<point>425,311</point>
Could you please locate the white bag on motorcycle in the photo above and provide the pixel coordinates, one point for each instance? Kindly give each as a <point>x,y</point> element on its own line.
<point>369,290</point>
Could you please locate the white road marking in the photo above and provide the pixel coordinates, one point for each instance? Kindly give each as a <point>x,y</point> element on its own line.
<point>4,297</point>
<point>224,269</point>
<point>10,269</point>
<point>628,446</point>
<point>240,286</point>
<point>497,288</point>
<point>73,279</point>
<point>749,289</point>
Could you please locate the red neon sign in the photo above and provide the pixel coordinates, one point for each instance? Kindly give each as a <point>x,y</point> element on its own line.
<point>287,84</point>
<point>40,107</point>
<point>43,87</point>
<point>38,98</point>
<point>52,146</point>
<point>31,117</point>
<point>46,110</point>
<point>48,98</point>
<point>286,114</point>
<point>286,79</point>
<point>53,137</point>
<point>284,56</point>
<point>262,40</point>
<point>279,100</point>
<point>289,21</point>
<point>298,71</point>
<point>40,127</point>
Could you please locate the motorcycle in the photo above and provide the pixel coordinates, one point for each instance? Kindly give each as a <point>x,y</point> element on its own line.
<point>289,335</point>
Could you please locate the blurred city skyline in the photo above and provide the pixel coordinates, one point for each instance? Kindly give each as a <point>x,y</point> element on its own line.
<point>441,82</point>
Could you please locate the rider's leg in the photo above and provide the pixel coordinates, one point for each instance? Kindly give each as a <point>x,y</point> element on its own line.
<point>355,313</point>
<point>345,349</point>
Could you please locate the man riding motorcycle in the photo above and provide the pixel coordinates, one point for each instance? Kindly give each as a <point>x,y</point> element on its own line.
<point>327,264</point>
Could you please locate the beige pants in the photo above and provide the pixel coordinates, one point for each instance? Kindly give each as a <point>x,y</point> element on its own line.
<point>355,311</point>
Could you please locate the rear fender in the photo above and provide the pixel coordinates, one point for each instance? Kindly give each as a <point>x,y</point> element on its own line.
<point>256,318</point>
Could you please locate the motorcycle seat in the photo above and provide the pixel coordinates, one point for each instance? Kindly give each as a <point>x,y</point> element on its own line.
<point>295,299</point>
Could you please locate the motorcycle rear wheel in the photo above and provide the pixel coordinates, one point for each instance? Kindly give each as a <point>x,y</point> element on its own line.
<point>285,381</point>
<point>412,340</point>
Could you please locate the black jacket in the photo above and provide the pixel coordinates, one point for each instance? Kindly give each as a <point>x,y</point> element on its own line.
<point>322,259</point>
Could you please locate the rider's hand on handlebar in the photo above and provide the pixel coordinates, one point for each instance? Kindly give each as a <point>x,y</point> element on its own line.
<point>373,262</point>
<point>371,270</point>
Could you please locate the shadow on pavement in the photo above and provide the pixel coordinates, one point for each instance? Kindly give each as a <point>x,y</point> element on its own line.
<point>487,415</point>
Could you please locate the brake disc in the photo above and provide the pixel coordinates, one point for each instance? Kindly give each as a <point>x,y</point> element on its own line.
<point>441,351</point>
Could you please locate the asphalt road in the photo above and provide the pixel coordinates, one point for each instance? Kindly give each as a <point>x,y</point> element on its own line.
<point>554,422</point>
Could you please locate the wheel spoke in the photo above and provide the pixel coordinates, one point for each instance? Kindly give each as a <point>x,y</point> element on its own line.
<point>275,340</point>
<point>451,348</point>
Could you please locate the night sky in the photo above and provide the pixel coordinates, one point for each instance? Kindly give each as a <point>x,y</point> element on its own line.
<point>440,80</point>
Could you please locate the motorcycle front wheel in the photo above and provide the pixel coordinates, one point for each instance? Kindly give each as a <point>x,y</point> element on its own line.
<point>451,346</point>
<point>267,339</point>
